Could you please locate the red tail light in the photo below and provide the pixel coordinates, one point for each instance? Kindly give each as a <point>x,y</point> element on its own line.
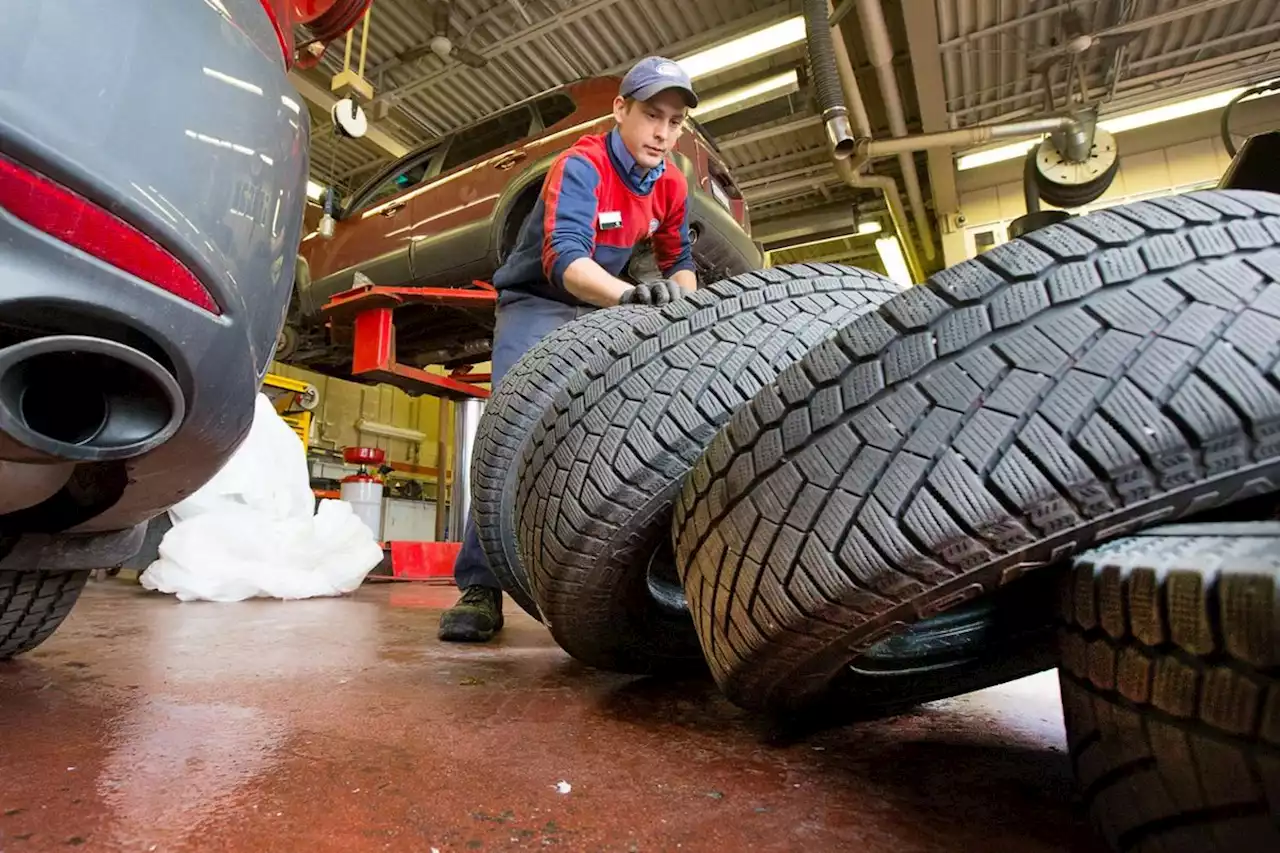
<point>75,220</point>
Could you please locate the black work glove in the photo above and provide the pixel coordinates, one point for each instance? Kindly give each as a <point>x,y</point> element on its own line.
<point>658,292</point>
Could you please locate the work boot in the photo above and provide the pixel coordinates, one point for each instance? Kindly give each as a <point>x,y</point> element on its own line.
<point>475,618</point>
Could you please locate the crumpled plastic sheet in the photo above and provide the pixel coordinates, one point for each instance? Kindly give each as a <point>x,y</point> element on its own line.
<point>254,530</point>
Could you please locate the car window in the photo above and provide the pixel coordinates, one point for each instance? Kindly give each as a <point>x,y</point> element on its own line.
<point>487,137</point>
<point>555,107</point>
<point>400,181</point>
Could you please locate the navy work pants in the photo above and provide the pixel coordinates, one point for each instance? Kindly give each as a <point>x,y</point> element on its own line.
<point>522,320</point>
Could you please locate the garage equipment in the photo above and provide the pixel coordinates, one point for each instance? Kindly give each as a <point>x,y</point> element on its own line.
<point>363,489</point>
<point>366,316</point>
<point>294,401</point>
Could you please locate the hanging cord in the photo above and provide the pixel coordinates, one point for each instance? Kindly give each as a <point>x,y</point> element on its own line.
<point>1225,122</point>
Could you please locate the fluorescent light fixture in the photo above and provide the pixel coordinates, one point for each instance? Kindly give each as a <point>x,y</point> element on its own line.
<point>871,226</point>
<point>895,264</point>
<point>745,48</point>
<point>314,191</point>
<point>768,88</point>
<point>1119,124</point>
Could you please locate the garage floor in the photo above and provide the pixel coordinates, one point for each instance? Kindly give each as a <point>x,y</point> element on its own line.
<point>146,724</point>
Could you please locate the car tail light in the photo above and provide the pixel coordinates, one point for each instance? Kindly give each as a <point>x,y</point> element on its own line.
<point>73,219</point>
<point>281,14</point>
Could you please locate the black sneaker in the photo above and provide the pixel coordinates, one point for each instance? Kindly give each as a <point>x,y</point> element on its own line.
<point>475,618</point>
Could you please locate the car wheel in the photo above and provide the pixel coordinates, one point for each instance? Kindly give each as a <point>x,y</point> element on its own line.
<point>1171,687</point>
<point>1060,390</point>
<point>599,473</point>
<point>33,605</point>
<point>999,638</point>
<point>517,403</point>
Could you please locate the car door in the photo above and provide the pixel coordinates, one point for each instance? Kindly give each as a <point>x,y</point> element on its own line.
<point>451,218</point>
<point>373,234</point>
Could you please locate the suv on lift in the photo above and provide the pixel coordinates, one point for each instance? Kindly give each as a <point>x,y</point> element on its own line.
<point>447,213</point>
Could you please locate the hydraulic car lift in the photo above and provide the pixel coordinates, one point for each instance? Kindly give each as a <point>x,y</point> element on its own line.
<point>370,311</point>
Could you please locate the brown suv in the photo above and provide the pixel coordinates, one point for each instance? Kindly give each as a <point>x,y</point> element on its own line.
<point>448,212</point>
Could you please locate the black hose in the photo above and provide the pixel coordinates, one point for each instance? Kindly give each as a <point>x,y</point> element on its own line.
<point>1225,122</point>
<point>826,79</point>
<point>1030,189</point>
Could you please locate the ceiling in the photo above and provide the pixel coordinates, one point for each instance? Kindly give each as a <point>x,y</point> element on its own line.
<point>976,58</point>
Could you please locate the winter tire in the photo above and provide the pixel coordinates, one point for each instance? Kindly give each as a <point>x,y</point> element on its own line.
<point>1060,390</point>
<point>507,424</point>
<point>598,477</point>
<point>1171,687</point>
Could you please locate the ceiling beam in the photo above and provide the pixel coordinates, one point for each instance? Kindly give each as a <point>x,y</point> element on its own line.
<point>926,65</point>
<point>544,28</point>
<point>767,133</point>
<point>325,99</point>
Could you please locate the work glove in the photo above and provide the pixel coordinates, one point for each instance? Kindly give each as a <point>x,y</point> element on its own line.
<point>658,292</point>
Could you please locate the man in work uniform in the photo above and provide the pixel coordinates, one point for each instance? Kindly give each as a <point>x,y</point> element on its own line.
<point>601,197</point>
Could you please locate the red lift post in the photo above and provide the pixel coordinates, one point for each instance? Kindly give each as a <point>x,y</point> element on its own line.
<point>370,312</point>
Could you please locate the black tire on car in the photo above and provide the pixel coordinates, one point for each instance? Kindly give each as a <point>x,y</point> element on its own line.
<point>1059,390</point>
<point>1171,687</point>
<point>33,605</point>
<point>517,403</point>
<point>597,479</point>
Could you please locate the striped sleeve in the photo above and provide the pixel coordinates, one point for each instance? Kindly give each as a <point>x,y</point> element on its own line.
<point>569,224</point>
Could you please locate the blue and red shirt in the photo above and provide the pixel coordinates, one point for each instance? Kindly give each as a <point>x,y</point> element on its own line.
<point>596,202</point>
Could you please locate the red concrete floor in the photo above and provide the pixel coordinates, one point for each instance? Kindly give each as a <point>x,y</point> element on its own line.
<point>145,724</point>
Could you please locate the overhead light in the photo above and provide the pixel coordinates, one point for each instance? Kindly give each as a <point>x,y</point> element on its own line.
<point>745,48</point>
<point>766,89</point>
<point>314,191</point>
<point>1119,124</point>
<point>871,226</point>
<point>895,264</point>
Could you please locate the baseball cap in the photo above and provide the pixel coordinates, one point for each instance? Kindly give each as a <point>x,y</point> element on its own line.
<point>655,74</point>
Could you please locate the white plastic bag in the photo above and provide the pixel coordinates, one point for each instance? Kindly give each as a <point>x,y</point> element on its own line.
<point>251,531</point>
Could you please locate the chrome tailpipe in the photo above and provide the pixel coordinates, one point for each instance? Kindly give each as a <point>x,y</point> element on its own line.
<point>75,398</point>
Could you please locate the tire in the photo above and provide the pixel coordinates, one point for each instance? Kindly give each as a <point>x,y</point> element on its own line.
<point>1171,687</point>
<point>506,425</point>
<point>33,605</point>
<point>599,474</point>
<point>1007,414</point>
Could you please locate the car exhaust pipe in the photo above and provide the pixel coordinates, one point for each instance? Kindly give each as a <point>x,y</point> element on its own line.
<point>73,398</point>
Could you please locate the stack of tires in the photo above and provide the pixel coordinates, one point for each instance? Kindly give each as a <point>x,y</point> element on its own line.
<point>840,496</point>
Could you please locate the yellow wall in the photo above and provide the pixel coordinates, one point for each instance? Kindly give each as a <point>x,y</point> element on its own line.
<point>344,403</point>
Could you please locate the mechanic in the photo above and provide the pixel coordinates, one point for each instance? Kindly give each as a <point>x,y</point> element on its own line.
<point>602,196</point>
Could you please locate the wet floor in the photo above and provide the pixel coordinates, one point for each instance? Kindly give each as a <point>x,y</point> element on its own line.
<point>146,724</point>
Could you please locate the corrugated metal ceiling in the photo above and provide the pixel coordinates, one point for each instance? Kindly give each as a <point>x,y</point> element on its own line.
<point>987,48</point>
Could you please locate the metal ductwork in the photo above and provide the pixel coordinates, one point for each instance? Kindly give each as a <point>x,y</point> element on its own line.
<point>822,61</point>
<point>832,71</point>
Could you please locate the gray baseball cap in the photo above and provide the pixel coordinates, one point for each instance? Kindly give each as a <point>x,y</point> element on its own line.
<point>655,74</point>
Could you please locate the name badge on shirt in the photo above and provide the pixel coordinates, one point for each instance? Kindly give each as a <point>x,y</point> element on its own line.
<point>610,219</point>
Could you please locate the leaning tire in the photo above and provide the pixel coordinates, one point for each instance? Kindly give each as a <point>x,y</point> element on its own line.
<point>1060,390</point>
<point>507,424</point>
<point>33,605</point>
<point>1171,687</point>
<point>598,477</point>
